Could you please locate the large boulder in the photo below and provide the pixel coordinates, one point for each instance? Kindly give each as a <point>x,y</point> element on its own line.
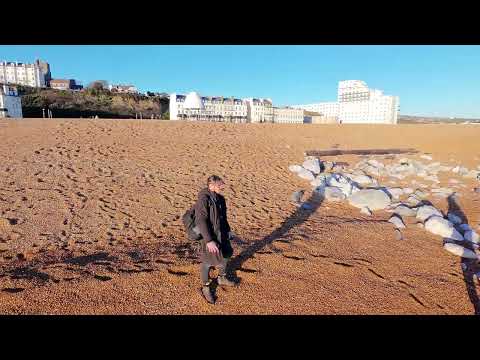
<point>404,210</point>
<point>306,174</point>
<point>395,192</point>
<point>320,180</point>
<point>413,200</point>
<point>425,211</point>
<point>372,198</point>
<point>362,179</point>
<point>439,226</point>
<point>295,168</point>
<point>343,183</point>
<point>331,193</point>
<point>460,251</point>
<point>420,194</point>
<point>313,165</point>
<point>472,236</point>
<point>397,221</point>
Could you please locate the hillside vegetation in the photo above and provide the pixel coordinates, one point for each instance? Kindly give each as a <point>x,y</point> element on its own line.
<point>91,102</point>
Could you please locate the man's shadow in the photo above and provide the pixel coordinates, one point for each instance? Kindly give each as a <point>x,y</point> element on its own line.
<point>469,266</point>
<point>300,215</point>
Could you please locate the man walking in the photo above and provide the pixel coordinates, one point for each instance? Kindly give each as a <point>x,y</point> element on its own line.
<point>211,222</point>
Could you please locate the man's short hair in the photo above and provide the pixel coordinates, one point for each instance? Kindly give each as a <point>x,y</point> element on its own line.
<point>214,179</point>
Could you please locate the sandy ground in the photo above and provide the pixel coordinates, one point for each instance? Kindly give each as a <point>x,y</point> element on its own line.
<point>90,221</point>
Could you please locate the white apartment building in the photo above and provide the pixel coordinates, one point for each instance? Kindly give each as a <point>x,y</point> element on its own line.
<point>329,109</point>
<point>357,104</point>
<point>259,110</point>
<point>10,102</point>
<point>209,108</point>
<point>288,115</point>
<point>35,75</point>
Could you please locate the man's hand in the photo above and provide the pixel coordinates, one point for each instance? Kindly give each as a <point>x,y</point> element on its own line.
<point>212,247</point>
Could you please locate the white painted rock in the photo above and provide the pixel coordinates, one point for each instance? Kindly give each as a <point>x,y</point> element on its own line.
<point>420,194</point>
<point>397,222</point>
<point>426,157</point>
<point>343,183</point>
<point>454,219</point>
<point>395,192</point>
<point>312,165</point>
<point>413,200</point>
<point>366,211</point>
<point>306,174</point>
<point>425,211</point>
<point>320,180</point>
<point>404,210</point>
<point>361,179</point>
<point>439,226</point>
<point>295,168</point>
<point>333,193</point>
<point>472,236</point>
<point>460,251</point>
<point>372,198</point>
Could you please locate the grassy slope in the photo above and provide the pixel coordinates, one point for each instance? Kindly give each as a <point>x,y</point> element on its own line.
<point>88,103</point>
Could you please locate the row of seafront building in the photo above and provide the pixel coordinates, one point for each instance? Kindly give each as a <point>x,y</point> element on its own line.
<point>356,104</point>
<point>249,110</point>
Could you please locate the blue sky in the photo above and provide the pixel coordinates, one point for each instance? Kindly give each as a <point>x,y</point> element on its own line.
<point>430,80</point>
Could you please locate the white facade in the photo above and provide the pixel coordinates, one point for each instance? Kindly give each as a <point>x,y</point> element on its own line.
<point>10,102</point>
<point>329,109</point>
<point>288,115</point>
<point>35,75</point>
<point>259,110</point>
<point>357,104</point>
<point>195,107</point>
<point>123,88</point>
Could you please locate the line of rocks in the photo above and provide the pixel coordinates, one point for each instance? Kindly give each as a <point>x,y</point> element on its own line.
<point>335,182</point>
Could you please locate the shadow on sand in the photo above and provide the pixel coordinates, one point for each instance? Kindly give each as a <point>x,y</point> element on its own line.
<point>297,218</point>
<point>469,266</point>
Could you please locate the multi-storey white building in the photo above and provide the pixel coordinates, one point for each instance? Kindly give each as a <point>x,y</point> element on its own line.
<point>195,107</point>
<point>10,102</point>
<point>35,75</point>
<point>288,115</point>
<point>259,110</point>
<point>359,104</point>
<point>329,109</point>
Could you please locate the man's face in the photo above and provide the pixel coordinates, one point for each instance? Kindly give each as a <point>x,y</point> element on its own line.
<point>217,187</point>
